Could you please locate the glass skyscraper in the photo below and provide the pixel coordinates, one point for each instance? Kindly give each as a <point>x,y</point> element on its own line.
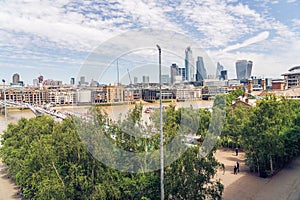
<point>243,69</point>
<point>174,72</point>
<point>201,71</point>
<point>190,70</point>
<point>181,72</point>
<point>219,69</point>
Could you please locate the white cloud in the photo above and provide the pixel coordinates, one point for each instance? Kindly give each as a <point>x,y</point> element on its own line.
<point>243,10</point>
<point>274,2</point>
<point>29,28</point>
<point>258,38</point>
<point>221,23</point>
<point>296,22</point>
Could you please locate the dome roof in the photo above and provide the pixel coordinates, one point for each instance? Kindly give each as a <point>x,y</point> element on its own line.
<point>294,68</point>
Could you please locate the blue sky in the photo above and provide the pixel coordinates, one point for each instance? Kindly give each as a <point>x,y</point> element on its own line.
<point>54,38</point>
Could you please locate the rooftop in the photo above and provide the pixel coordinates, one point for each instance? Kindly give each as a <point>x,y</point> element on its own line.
<point>294,68</point>
<point>289,93</point>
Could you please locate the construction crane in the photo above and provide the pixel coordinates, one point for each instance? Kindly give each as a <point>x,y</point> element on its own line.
<point>118,73</point>
<point>129,76</point>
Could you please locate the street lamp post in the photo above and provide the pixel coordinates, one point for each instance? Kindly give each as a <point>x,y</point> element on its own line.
<point>161,131</point>
<point>4,92</point>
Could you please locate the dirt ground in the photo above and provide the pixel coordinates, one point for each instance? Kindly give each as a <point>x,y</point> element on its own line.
<point>246,185</point>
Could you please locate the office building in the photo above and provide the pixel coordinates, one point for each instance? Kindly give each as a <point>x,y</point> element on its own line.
<point>174,72</point>
<point>268,83</point>
<point>16,79</point>
<point>52,82</point>
<point>82,81</point>
<point>35,82</point>
<point>243,70</point>
<point>41,79</point>
<point>219,69</point>
<point>292,77</point>
<point>135,80</point>
<point>256,83</point>
<point>223,75</point>
<point>201,71</point>
<point>72,81</point>
<point>115,93</point>
<point>146,79</point>
<point>165,79</point>
<point>181,72</point>
<point>189,65</point>
<point>215,83</point>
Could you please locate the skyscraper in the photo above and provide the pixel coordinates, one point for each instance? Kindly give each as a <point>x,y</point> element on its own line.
<point>219,69</point>
<point>41,79</point>
<point>174,72</point>
<point>189,65</point>
<point>35,82</point>
<point>181,72</point>
<point>243,69</point>
<point>135,80</point>
<point>201,71</point>
<point>165,79</point>
<point>223,75</point>
<point>82,80</point>
<point>16,78</point>
<point>72,81</point>
<point>146,79</point>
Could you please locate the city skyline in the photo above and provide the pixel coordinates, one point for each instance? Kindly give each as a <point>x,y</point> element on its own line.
<point>54,38</point>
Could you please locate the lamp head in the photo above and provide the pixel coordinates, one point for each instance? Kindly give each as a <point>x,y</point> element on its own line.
<point>158,47</point>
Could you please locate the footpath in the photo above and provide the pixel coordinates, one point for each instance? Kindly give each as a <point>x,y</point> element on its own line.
<point>285,185</point>
<point>8,189</point>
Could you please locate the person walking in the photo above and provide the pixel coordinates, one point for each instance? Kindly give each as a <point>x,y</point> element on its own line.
<point>237,166</point>
<point>236,151</point>
<point>234,170</point>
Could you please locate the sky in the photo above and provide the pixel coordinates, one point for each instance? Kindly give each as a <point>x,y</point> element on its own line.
<point>57,38</point>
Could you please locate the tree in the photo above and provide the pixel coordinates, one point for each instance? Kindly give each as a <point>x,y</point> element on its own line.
<point>267,135</point>
<point>235,122</point>
<point>50,160</point>
<point>191,178</point>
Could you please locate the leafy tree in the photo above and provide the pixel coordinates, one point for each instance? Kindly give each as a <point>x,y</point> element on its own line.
<point>50,160</point>
<point>267,135</point>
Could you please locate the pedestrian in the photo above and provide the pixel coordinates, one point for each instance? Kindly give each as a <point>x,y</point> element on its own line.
<point>234,170</point>
<point>236,151</point>
<point>237,166</point>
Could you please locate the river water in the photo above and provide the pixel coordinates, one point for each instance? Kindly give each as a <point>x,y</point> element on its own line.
<point>114,112</point>
<point>12,117</point>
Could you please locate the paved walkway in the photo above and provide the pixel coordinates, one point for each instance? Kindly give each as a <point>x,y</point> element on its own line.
<point>8,189</point>
<point>246,185</point>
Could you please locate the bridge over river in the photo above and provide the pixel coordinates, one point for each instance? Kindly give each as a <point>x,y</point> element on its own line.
<point>39,110</point>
